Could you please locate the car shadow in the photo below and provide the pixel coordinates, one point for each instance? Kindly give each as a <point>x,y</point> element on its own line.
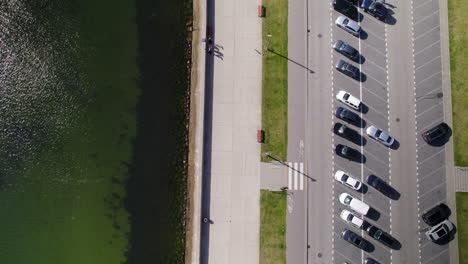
<point>369,247</point>
<point>360,59</point>
<point>395,145</point>
<point>373,214</point>
<point>443,140</point>
<point>449,238</point>
<point>364,108</point>
<point>362,77</point>
<point>362,123</point>
<point>396,245</point>
<point>390,20</point>
<point>363,35</point>
<point>353,135</point>
<point>364,189</point>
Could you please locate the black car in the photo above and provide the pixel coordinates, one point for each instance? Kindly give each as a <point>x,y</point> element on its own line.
<point>375,8</point>
<point>345,49</point>
<point>383,187</point>
<point>354,239</point>
<point>344,131</point>
<point>436,215</point>
<point>347,69</point>
<point>346,8</point>
<point>347,115</point>
<point>379,235</point>
<point>370,261</point>
<point>347,152</point>
<point>435,133</point>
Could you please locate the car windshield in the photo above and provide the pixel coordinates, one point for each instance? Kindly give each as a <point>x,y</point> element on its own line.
<point>346,21</point>
<point>344,177</point>
<point>440,232</point>
<point>346,96</point>
<point>377,134</point>
<point>350,217</point>
<point>347,200</point>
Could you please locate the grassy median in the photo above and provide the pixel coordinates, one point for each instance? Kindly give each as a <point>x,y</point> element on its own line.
<point>275,78</point>
<point>462,226</point>
<point>458,23</point>
<point>272,227</point>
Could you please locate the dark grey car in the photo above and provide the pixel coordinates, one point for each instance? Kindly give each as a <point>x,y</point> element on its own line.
<point>383,187</point>
<point>379,235</point>
<point>347,69</point>
<point>347,115</point>
<point>346,49</point>
<point>354,239</point>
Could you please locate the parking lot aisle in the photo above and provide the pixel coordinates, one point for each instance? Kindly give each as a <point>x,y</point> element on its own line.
<point>405,227</point>
<point>297,78</point>
<point>318,141</point>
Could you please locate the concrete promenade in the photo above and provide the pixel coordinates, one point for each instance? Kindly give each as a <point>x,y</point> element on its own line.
<point>230,191</point>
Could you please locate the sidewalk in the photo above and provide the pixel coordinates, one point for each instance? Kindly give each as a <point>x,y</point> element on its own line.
<point>231,160</point>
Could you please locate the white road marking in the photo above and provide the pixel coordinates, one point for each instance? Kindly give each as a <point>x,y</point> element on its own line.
<point>290,176</point>
<point>295,175</point>
<point>301,177</point>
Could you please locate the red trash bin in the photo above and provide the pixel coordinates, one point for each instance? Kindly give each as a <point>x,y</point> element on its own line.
<point>260,136</point>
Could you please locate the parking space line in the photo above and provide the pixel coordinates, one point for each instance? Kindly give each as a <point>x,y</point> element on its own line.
<point>372,47</point>
<point>433,257</point>
<point>428,77</point>
<point>427,110</point>
<point>432,173</point>
<point>431,190</point>
<point>374,34</point>
<point>426,32</point>
<point>433,155</point>
<point>423,3</point>
<point>432,124</point>
<point>373,109</point>
<point>427,47</point>
<point>426,63</point>
<point>373,63</point>
<point>368,76</point>
<point>344,256</point>
<point>376,95</point>
<point>372,155</point>
<point>426,17</point>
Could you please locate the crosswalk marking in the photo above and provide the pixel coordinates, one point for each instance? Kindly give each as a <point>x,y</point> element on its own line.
<point>301,177</point>
<point>295,176</point>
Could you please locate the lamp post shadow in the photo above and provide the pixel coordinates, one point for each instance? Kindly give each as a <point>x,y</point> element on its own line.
<point>268,154</point>
<point>295,62</point>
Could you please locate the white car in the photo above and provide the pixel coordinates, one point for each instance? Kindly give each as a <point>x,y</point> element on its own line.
<point>347,99</point>
<point>440,231</point>
<point>379,135</point>
<point>348,25</point>
<point>351,218</point>
<point>355,204</point>
<point>347,180</point>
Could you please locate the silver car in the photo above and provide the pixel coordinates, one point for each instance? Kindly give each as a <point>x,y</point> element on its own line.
<point>440,231</point>
<point>348,25</point>
<point>379,135</point>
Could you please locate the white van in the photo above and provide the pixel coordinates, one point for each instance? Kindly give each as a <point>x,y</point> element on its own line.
<point>355,204</point>
<point>347,99</point>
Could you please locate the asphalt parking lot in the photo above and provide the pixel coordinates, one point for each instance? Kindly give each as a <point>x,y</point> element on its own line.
<point>372,88</point>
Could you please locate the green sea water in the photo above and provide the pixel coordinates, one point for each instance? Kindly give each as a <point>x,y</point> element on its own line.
<point>68,87</point>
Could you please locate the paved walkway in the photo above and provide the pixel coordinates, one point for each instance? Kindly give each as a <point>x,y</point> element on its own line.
<point>461,179</point>
<point>231,161</point>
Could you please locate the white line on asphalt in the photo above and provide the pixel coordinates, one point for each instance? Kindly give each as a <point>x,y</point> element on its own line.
<point>427,110</point>
<point>301,177</point>
<point>332,138</point>
<point>432,124</point>
<point>427,63</point>
<point>426,79</point>
<point>427,47</point>
<point>290,176</point>
<point>431,190</point>
<point>372,47</point>
<point>295,175</point>
<point>416,127</point>
<point>427,32</point>
<point>426,17</point>
<point>361,129</point>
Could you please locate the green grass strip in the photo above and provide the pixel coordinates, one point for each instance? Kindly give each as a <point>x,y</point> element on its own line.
<point>275,78</point>
<point>458,23</point>
<point>272,227</point>
<point>462,227</point>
